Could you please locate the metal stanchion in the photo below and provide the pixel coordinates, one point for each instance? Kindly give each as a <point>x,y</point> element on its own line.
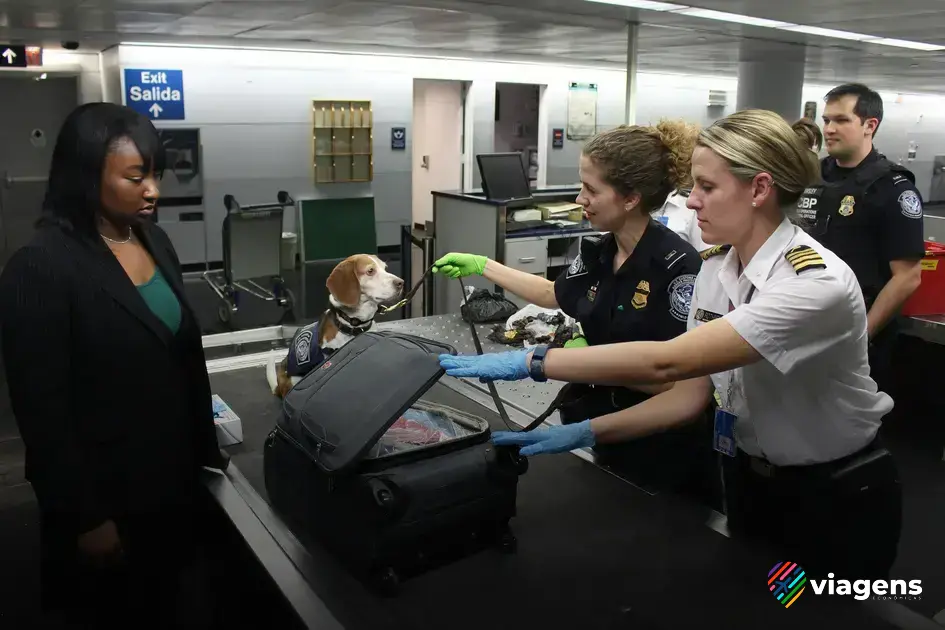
<point>428,283</point>
<point>408,238</point>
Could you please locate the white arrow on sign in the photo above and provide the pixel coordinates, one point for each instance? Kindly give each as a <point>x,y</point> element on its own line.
<point>156,110</point>
<point>9,55</point>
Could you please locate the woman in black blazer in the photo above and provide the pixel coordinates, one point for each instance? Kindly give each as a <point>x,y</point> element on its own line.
<point>107,376</point>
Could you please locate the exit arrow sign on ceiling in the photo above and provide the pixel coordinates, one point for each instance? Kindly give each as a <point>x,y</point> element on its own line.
<point>12,56</point>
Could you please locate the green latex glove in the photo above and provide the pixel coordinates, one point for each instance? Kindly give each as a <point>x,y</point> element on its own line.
<point>577,342</point>
<point>460,265</point>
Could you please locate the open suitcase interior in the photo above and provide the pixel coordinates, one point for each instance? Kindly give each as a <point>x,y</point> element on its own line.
<point>426,424</point>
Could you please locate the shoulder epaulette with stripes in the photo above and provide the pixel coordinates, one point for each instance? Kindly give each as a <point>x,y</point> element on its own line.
<point>715,250</point>
<point>802,258</point>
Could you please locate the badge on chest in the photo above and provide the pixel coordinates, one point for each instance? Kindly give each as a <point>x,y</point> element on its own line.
<point>846,206</point>
<point>592,292</point>
<point>640,295</point>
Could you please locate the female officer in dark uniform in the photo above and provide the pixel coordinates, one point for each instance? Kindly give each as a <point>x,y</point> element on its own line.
<point>633,283</point>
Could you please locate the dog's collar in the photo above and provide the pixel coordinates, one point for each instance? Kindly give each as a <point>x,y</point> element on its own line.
<point>350,325</point>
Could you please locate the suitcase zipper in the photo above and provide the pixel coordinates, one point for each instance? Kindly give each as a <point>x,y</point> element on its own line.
<point>298,445</point>
<point>312,458</point>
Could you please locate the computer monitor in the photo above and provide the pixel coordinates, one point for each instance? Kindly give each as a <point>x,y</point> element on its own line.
<point>503,176</point>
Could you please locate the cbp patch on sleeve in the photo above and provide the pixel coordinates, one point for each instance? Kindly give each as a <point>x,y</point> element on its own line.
<point>303,347</point>
<point>577,267</point>
<point>910,204</point>
<point>680,296</point>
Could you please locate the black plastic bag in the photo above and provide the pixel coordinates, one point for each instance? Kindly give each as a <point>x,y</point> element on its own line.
<point>482,307</point>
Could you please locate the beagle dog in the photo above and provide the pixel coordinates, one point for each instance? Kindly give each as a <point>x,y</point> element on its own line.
<point>357,286</point>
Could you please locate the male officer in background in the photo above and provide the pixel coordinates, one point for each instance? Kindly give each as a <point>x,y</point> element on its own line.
<point>869,213</point>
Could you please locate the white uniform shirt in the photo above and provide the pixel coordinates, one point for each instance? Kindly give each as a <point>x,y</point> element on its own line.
<point>676,216</point>
<point>811,398</point>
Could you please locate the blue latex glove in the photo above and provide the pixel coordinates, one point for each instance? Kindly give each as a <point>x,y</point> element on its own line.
<point>555,439</point>
<point>500,366</point>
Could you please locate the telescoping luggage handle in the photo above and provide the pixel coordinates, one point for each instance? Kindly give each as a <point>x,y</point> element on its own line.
<point>537,422</point>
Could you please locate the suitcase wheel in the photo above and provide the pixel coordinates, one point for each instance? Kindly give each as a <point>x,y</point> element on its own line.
<point>386,581</point>
<point>507,541</point>
<point>521,464</point>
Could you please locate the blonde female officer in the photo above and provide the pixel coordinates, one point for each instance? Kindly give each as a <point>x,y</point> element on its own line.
<point>777,327</point>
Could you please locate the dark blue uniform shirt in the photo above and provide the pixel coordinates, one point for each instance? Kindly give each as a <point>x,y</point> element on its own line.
<point>647,299</point>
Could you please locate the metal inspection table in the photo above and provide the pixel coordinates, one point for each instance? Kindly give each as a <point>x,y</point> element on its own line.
<point>930,328</point>
<point>599,552</point>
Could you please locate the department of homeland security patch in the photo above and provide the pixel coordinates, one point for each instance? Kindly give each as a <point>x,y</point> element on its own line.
<point>577,267</point>
<point>910,204</point>
<point>680,296</point>
<point>303,347</point>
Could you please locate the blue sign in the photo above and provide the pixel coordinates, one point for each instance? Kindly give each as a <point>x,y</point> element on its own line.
<point>158,94</point>
<point>398,138</point>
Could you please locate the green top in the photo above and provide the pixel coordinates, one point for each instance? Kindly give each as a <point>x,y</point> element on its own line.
<point>162,301</point>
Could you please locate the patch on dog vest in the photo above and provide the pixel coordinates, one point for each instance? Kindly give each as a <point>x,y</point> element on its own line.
<point>304,353</point>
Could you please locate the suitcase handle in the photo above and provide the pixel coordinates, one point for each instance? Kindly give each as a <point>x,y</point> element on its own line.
<point>425,344</point>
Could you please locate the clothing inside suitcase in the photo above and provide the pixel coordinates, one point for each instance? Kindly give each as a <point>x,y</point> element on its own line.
<point>426,424</point>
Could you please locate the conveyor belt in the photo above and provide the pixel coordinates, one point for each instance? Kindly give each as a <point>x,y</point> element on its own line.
<point>594,552</point>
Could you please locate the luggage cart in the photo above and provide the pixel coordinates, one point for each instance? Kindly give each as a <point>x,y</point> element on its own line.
<point>252,241</point>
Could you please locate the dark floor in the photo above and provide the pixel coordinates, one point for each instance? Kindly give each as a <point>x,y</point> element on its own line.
<point>916,436</point>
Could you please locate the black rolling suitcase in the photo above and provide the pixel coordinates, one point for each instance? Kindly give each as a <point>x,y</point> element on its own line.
<point>367,461</point>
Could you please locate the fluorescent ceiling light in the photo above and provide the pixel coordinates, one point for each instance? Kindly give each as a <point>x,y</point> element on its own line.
<point>901,43</point>
<point>736,18</point>
<point>709,14</point>
<point>824,32</point>
<point>649,5</point>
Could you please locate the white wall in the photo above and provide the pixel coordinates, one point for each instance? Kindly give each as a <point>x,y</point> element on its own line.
<point>917,118</point>
<point>253,109</point>
<point>254,112</point>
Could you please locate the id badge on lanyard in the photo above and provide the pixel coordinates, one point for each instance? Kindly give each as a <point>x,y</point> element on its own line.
<point>723,434</point>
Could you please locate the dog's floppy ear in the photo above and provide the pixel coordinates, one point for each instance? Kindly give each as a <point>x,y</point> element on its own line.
<point>343,283</point>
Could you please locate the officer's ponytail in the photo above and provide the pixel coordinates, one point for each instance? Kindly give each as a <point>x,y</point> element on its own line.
<point>650,161</point>
<point>755,141</point>
<point>679,141</point>
<point>809,133</point>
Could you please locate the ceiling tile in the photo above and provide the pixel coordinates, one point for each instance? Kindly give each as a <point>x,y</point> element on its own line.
<point>565,30</point>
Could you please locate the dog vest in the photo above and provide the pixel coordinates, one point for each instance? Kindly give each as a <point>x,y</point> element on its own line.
<point>304,353</point>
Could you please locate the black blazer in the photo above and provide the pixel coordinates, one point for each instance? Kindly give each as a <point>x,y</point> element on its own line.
<point>114,410</point>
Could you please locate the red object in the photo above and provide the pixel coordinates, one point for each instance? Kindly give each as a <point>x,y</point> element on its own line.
<point>412,432</point>
<point>929,299</point>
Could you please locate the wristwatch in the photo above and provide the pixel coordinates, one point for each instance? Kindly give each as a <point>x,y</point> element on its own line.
<point>536,369</point>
